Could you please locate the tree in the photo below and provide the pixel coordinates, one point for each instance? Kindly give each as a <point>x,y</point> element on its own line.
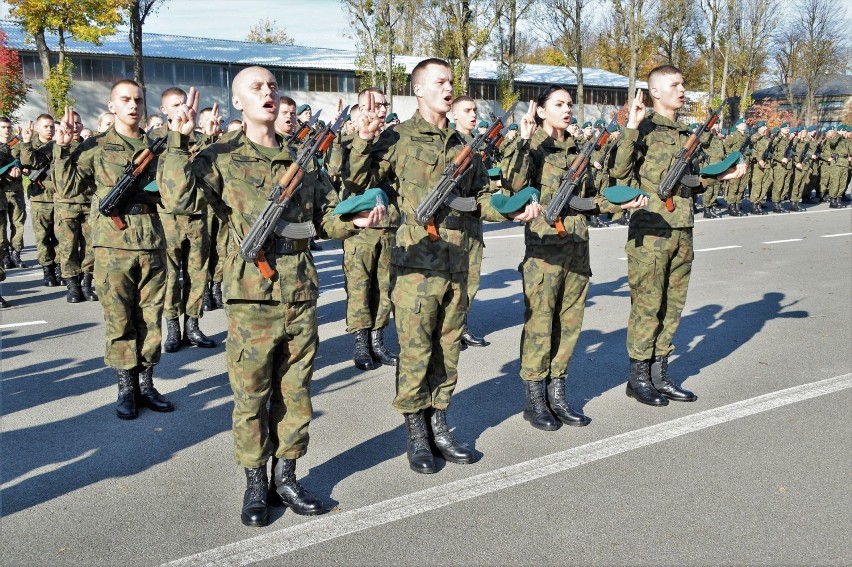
<point>83,20</point>
<point>267,31</point>
<point>469,27</point>
<point>712,10</point>
<point>635,31</point>
<point>138,12</point>
<point>673,34</point>
<point>13,86</point>
<point>510,47</point>
<point>752,44</point>
<point>771,112</point>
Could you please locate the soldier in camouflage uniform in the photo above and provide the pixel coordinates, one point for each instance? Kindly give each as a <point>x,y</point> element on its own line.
<point>659,243</point>
<point>801,169</point>
<point>130,262</point>
<point>272,323</point>
<point>37,156</point>
<point>187,251</point>
<point>429,278</point>
<point>737,141</point>
<point>7,177</point>
<point>835,152</point>
<point>714,151</point>
<point>761,174</point>
<point>781,168</point>
<point>16,208</point>
<point>555,268</point>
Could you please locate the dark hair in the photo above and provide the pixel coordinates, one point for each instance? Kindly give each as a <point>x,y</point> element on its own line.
<point>4,120</point>
<point>463,98</point>
<point>286,100</point>
<point>173,91</point>
<point>663,70</point>
<point>421,67</point>
<point>544,95</point>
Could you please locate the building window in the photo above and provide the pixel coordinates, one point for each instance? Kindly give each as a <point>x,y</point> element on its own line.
<point>31,66</point>
<point>159,72</point>
<point>346,83</point>
<point>291,80</point>
<point>483,90</point>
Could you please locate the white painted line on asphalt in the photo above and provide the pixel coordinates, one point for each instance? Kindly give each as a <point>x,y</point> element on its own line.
<point>717,248</point>
<point>332,526</point>
<point>833,235</point>
<point>781,241</point>
<point>503,236</point>
<point>24,324</point>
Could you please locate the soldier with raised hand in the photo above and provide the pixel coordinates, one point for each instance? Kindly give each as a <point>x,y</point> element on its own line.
<point>659,243</point>
<point>187,243</point>
<point>272,322</point>
<point>428,277</point>
<point>130,259</point>
<point>16,207</point>
<point>37,156</point>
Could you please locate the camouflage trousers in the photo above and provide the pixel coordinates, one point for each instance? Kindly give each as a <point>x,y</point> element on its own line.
<point>187,252</point>
<point>4,242</point>
<point>45,235</point>
<point>270,353</point>
<point>780,183</point>
<point>800,179</point>
<point>16,211</point>
<point>429,310</point>
<point>658,271</point>
<point>836,181</point>
<point>220,239</point>
<point>556,281</point>
<point>710,193</point>
<point>74,252</point>
<point>366,269</point>
<point>474,266</point>
<point>735,189</point>
<point>131,285</point>
<point>761,181</point>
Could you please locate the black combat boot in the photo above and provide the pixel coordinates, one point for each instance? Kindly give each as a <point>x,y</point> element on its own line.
<point>148,394</point>
<point>733,210</point>
<point>560,407</point>
<point>3,303</point>
<point>87,288</point>
<point>49,276</point>
<point>8,263</point>
<point>255,505</point>
<point>796,208</point>
<point>470,339</point>
<point>419,455</point>
<point>660,381</point>
<point>361,354</point>
<point>16,259</point>
<point>639,384</point>
<point>292,493</point>
<point>739,208</point>
<point>172,342</point>
<point>778,208</point>
<point>840,204</point>
<point>207,303</point>
<point>446,443</point>
<point>192,333</point>
<point>75,294</point>
<point>378,349</point>
<point>218,302</point>
<point>536,410</point>
<point>757,209</point>
<point>57,274</point>
<point>126,406</point>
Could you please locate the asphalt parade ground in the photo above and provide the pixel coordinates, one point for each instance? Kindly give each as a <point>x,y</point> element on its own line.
<point>758,471</point>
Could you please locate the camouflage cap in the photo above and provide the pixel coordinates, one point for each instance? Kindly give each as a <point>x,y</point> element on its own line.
<point>363,202</point>
<point>516,202</point>
<point>717,168</point>
<point>619,194</point>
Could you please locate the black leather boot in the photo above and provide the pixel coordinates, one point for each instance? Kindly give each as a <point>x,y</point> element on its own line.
<point>560,407</point>
<point>536,410</point>
<point>57,273</point>
<point>742,212</point>
<point>218,302</point>
<point>8,263</point>
<point>3,303</point>
<point>87,288</point>
<point>796,208</point>
<point>733,210</point>
<point>207,300</point>
<point>446,443</point>
<point>75,294</point>
<point>49,276</point>
<point>172,342</point>
<point>255,506</point>
<point>419,455</point>
<point>292,493</point>
<point>470,339</point>
<point>193,334</point>
<point>361,353</point>
<point>378,349</point>
<point>778,208</point>
<point>126,406</point>
<point>16,259</point>
<point>639,384</point>
<point>660,381</point>
<point>148,394</point>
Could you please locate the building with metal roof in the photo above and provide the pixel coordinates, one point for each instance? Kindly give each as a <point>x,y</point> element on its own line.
<point>833,98</point>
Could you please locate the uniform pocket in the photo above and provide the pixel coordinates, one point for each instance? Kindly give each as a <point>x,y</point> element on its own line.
<point>641,268</point>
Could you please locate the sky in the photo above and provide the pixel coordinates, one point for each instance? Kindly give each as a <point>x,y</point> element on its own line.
<point>314,23</point>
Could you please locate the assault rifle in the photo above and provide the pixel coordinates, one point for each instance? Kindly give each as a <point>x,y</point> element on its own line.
<point>569,185</point>
<point>253,243</point>
<point>303,129</point>
<point>767,153</point>
<point>804,153</point>
<point>36,175</point>
<point>493,143</point>
<point>788,153</point>
<point>443,192</point>
<point>6,146</point>
<point>595,171</point>
<point>683,161</point>
<point>110,203</point>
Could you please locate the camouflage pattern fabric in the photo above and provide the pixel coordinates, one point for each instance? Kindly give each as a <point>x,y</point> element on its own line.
<point>74,252</point>
<point>220,239</point>
<point>43,228</point>
<point>761,177</point>
<point>4,242</point>
<point>16,211</point>
<point>781,175</point>
<point>714,150</point>
<point>477,247</point>
<point>366,269</point>
<point>836,169</point>
<point>131,288</point>
<point>36,155</point>
<point>187,249</point>
<point>734,189</point>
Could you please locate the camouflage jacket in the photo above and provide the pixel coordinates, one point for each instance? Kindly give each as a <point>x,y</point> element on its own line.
<point>411,157</point>
<point>34,156</point>
<point>197,142</point>
<point>98,163</point>
<point>760,145</point>
<point>838,146</point>
<point>541,163</point>
<point>734,142</point>
<point>780,151</point>
<point>802,149</point>
<point>236,179</point>
<point>7,155</point>
<point>647,152</point>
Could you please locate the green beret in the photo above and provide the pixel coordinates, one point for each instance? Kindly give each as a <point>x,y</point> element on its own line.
<point>303,108</point>
<point>348,117</point>
<point>513,126</point>
<point>614,127</point>
<point>5,168</point>
<point>587,125</point>
<point>483,124</point>
<point>724,131</point>
<point>391,117</point>
<point>694,126</point>
<point>619,194</point>
<point>573,121</point>
<point>516,202</point>
<point>363,202</point>
<point>812,128</point>
<point>739,121</point>
<point>494,172</point>
<point>320,124</point>
<point>715,169</point>
<point>785,125</point>
<point>599,122</point>
<point>761,124</point>
<point>152,187</point>
<point>776,129</point>
<point>832,127</point>
<point>451,125</point>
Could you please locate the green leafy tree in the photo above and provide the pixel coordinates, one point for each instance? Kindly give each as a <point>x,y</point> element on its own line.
<point>267,31</point>
<point>13,86</point>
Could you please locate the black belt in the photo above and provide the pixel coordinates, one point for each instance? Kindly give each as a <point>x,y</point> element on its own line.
<point>289,246</point>
<point>139,209</point>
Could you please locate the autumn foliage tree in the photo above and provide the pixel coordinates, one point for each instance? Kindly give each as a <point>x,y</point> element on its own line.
<point>13,86</point>
<point>771,112</point>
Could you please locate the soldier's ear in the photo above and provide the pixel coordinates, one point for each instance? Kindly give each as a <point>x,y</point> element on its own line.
<point>111,106</point>
<point>418,90</point>
<point>236,103</point>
